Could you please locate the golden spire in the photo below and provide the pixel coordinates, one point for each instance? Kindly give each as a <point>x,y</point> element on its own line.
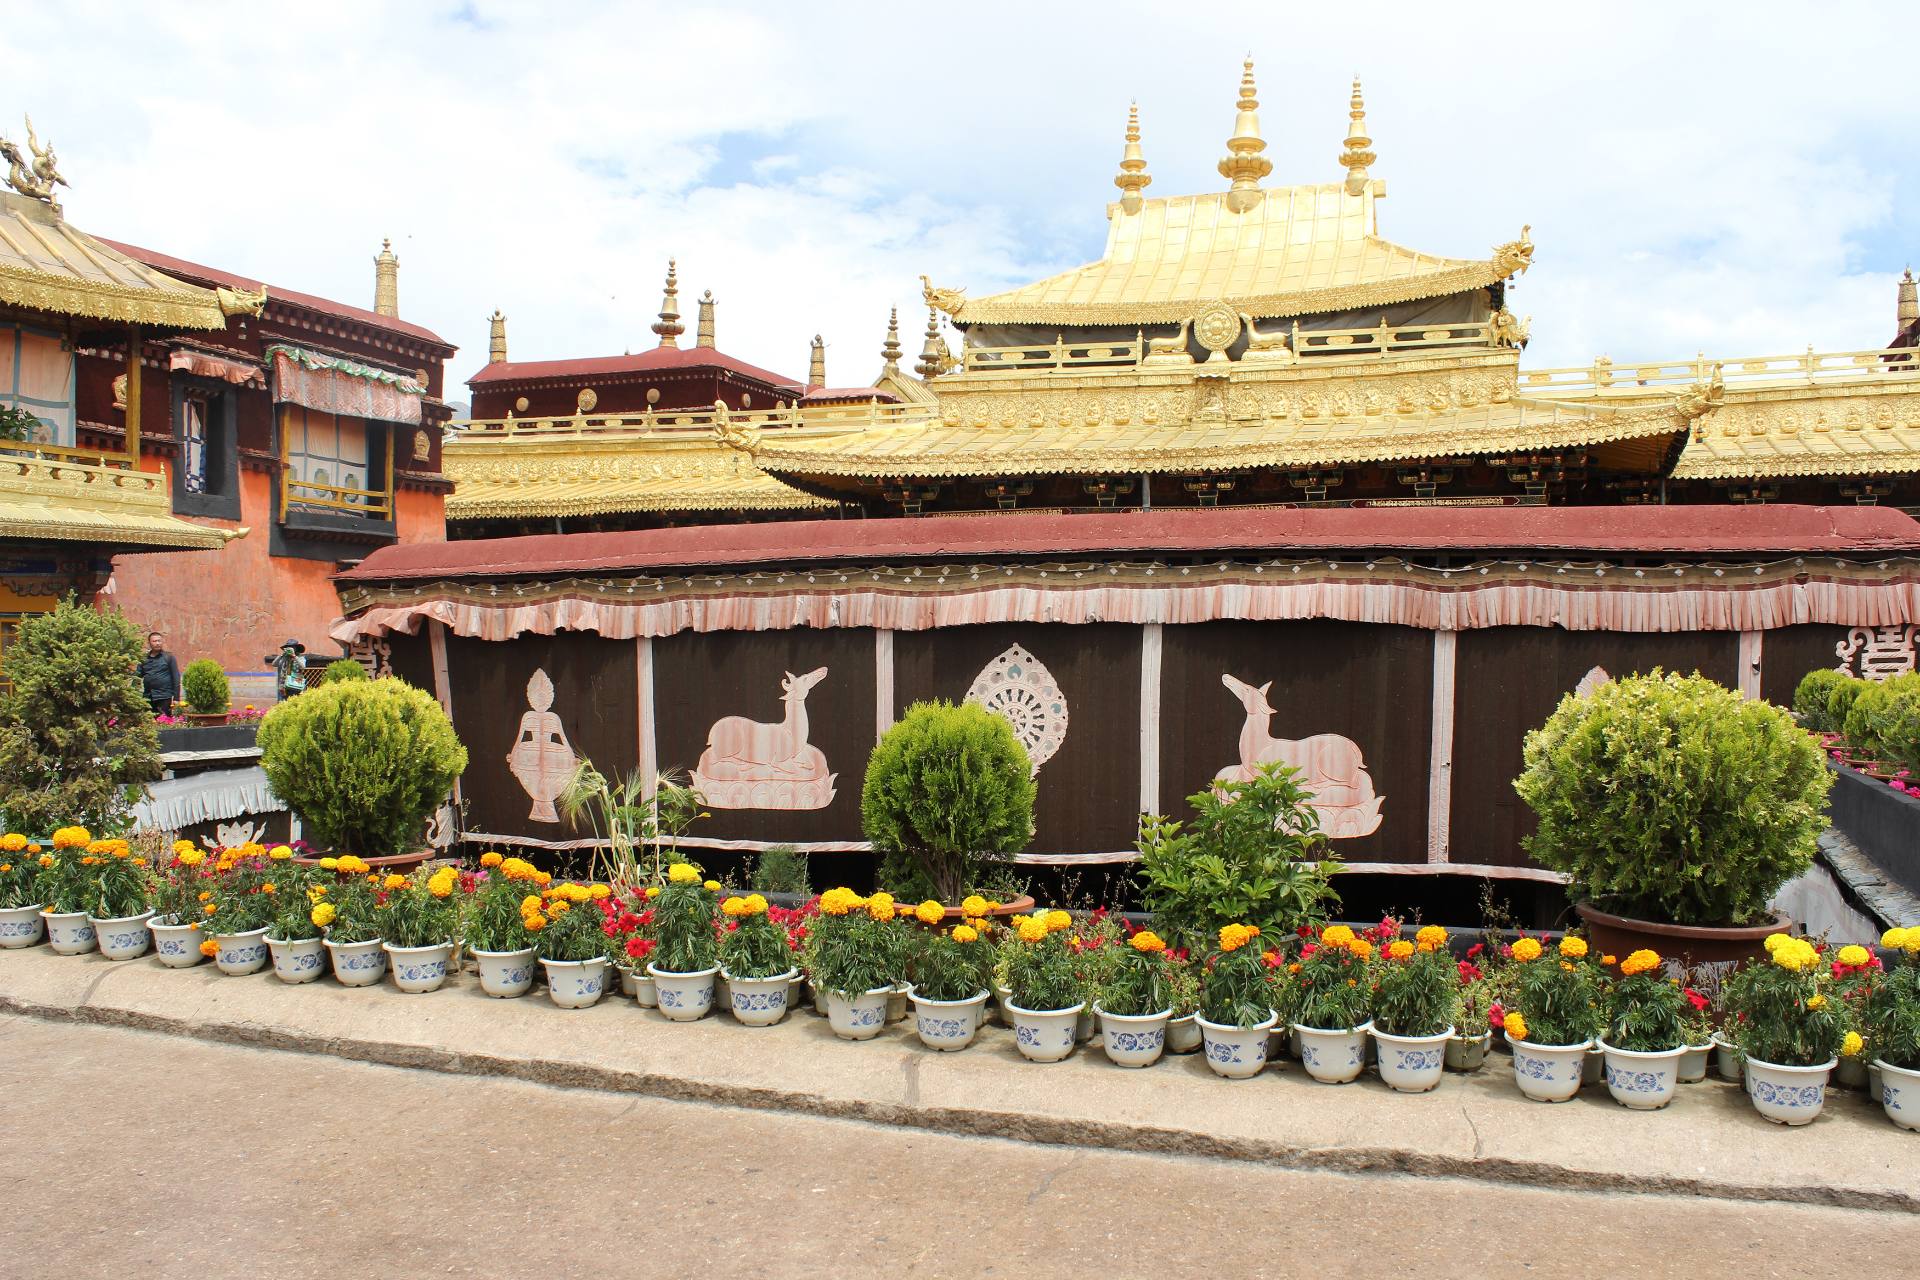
<point>386,281</point>
<point>933,352</point>
<point>1909,299</point>
<point>1244,165</point>
<point>1357,154</point>
<point>817,365</point>
<point>1133,165</point>
<point>668,326</point>
<point>703,336</point>
<point>890,350</point>
<point>497,338</point>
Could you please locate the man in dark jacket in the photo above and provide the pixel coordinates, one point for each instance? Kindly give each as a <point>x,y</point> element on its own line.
<point>159,675</point>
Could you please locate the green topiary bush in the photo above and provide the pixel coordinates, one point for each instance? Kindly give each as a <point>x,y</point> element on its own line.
<point>77,740</point>
<point>1811,695</point>
<point>949,787</point>
<point>1877,727</point>
<point>343,669</point>
<point>363,762</point>
<point>1672,798</point>
<point>1840,700</point>
<point>205,685</point>
<point>782,869</point>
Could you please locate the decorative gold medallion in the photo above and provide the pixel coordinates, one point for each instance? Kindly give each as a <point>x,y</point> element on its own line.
<point>1217,327</point>
<point>588,398</point>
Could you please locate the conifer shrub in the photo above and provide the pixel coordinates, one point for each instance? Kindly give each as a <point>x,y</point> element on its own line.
<point>205,685</point>
<point>363,762</point>
<point>1810,698</point>
<point>77,740</point>
<point>343,669</point>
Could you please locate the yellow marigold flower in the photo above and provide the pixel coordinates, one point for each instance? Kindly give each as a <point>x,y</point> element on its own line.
<point>394,882</point>
<point>181,846</point>
<point>1894,939</point>
<point>354,865</point>
<point>491,859</point>
<point>46,859</point>
<point>1516,1027</point>
<point>329,864</point>
<point>711,886</point>
<point>1148,941</point>
<point>1032,930</point>
<point>5,867</point>
<point>1362,948</point>
<point>1641,961</point>
<point>1573,948</point>
<point>529,904</point>
<point>734,907</point>
<point>206,895</point>
<point>192,857</point>
<point>210,908</point>
<point>440,883</point>
<point>13,842</point>
<point>1526,949</point>
<point>1400,949</point>
<point>209,947</point>
<point>543,878</point>
<point>1816,1002</point>
<point>681,873</point>
<point>139,862</point>
<point>72,838</point>
<point>756,904</point>
<point>532,923</point>
<point>1773,942</point>
<point>1058,920</point>
<point>1432,934</point>
<point>1854,954</point>
<point>975,905</point>
<point>322,915</point>
<point>930,912</point>
<point>965,933</point>
<point>280,853</point>
<point>653,891</point>
<point>1852,1045</point>
<point>558,908</point>
<point>269,887</point>
<point>1338,935</point>
<point>1609,960</point>
<point>880,907</point>
<point>598,891</point>
<point>1235,936</point>
<point>882,897</point>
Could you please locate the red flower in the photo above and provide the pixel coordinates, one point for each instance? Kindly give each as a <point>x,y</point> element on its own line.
<point>1469,972</point>
<point>1496,1018</point>
<point>1305,930</point>
<point>1476,949</point>
<point>1695,999</point>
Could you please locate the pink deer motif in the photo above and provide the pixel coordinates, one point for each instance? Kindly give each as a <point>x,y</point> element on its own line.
<point>1330,766</point>
<point>749,764</point>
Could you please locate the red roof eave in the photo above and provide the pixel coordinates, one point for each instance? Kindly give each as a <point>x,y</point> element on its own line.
<point>1592,531</point>
<point>653,360</point>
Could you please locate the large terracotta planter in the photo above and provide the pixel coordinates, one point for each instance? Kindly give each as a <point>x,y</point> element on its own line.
<point>1690,944</point>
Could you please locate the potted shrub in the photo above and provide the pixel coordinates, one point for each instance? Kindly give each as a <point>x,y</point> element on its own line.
<point>1789,1029</point>
<point>1044,995</point>
<point>497,928</point>
<point>1676,808</point>
<point>949,969</point>
<point>1646,1034</point>
<point>756,960</point>
<point>364,763</point>
<point>1252,852</point>
<point>1333,993</point>
<point>1892,1017</point>
<point>572,944</point>
<point>1136,1001</point>
<point>1236,1011</point>
<point>242,897</point>
<point>20,922</point>
<point>946,788</point>
<point>61,887</point>
<point>352,915</point>
<point>1472,1013</point>
<point>295,936</point>
<point>418,932</point>
<point>685,957</point>
<point>205,684</point>
<point>1183,990</point>
<point>1416,994</point>
<point>1549,1020</point>
<point>177,887</point>
<point>628,926</point>
<point>117,896</point>
<point>857,957</point>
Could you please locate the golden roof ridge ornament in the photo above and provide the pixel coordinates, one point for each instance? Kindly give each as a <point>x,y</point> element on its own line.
<point>934,356</point>
<point>890,349</point>
<point>241,302</point>
<point>817,365</point>
<point>703,334</point>
<point>947,300</point>
<point>35,180</point>
<point>1357,154</point>
<point>1245,166</point>
<point>1515,256</point>
<point>668,326</point>
<point>1909,306</point>
<point>386,282</point>
<point>497,337</point>
<point>1133,175</point>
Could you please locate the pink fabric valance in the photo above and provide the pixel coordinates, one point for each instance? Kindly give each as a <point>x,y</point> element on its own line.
<point>345,388</point>
<point>242,373</point>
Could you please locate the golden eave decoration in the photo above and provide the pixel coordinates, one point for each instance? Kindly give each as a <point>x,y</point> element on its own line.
<point>48,264</point>
<point>516,478</point>
<point>61,499</point>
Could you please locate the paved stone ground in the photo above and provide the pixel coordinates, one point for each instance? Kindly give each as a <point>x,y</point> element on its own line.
<point>138,1153</point>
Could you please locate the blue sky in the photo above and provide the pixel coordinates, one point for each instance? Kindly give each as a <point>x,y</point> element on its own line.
<point>1695,179</point>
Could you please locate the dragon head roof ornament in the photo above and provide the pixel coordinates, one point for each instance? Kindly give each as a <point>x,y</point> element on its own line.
<point>36,179</point>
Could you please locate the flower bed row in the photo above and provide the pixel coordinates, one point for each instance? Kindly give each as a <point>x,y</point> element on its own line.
<point>1410,1000</point>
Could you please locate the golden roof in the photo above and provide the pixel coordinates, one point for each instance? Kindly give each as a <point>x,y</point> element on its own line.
<point>1298,251</point>
<point>60,496</point>
<point>512,478</point>
<point>50,265</point>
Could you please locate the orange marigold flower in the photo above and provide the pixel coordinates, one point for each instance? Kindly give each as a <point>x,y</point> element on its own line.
<point>1526,949</point>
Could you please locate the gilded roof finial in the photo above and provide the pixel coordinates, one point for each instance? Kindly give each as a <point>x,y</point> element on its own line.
<point>890,349</point>
<point>1133,174</point>
<point>497,338</point>
<point>386,281</point>
<point>934,355</point>
<point>37,180</point>
<point>703,335</point>
<point>1909,299</point>
<point>668,326</point>
<point>817,365</point>
<point>1244,165</point>
<point>1358,153</point>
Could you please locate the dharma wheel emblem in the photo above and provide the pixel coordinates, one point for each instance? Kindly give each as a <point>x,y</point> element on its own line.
<point>1018,689</point>
<point>1217,327</point>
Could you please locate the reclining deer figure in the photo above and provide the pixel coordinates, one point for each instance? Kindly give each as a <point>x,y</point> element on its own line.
<point>1330,766</point>
<point>750,749</point>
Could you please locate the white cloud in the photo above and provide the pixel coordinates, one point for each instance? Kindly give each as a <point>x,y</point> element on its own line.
<point>1693,182</point>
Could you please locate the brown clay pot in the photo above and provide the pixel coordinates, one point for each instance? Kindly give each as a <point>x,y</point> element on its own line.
<point>1689,944</point>
<point>399,863</point>
<point>201,719</point>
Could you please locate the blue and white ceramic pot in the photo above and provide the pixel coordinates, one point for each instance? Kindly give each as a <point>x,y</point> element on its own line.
<point>759,1002</point>
<point>1045,1035</point>
<point>298,960</point>
<point>22,926</point>
<point>858,1017</point>
<point>1183,1034</point>
<point>123,937</point>
<point>1548,1072</point>
<point>1236,1053</point>
<point>177,945</point>
<point>1693,1062</point>
<point>505,974</point>
<point>240,954</point>
<point>1790,1095</point>
<point>1642,1081</point>
<point>948,1025</point>
<point>69,933</point>
<point>1134,1040</point>
<point>418,969</point>
<point>358,964</point>
<point>683,997</point>
<point>1334,1055</point>
<point>1728,1062</point>
<point>1467,1053</point>
<point>575,984</point>
<point>1899,1093</point>
<point>1412,1064</point>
